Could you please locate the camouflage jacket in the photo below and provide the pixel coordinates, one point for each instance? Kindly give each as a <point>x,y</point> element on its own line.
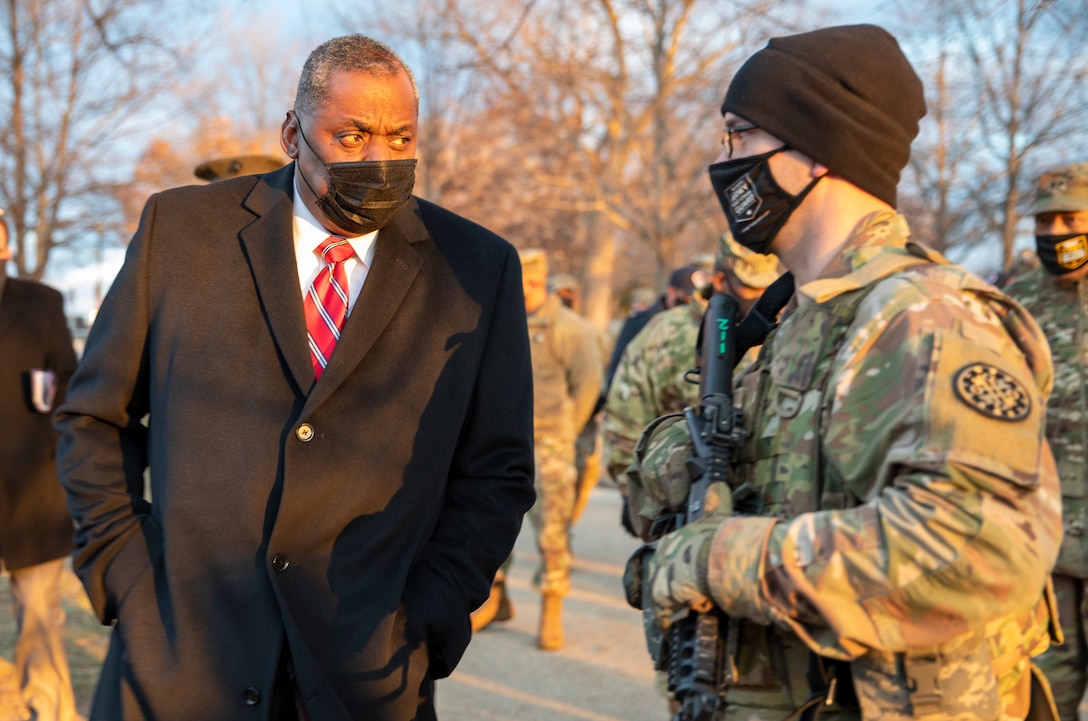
<point>909,502</point>
<point>649,382</point>
<point>567,370</point>
<point>1062,312</point>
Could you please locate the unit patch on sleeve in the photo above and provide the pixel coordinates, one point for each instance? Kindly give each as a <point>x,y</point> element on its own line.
<point>992,392</point>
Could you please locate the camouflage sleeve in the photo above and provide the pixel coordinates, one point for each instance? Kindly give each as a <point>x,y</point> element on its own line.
<point>649,382</point>
<point>627,405</point>
<point>936,427</point>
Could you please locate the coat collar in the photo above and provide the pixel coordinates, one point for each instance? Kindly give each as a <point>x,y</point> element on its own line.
<point>269,247</point>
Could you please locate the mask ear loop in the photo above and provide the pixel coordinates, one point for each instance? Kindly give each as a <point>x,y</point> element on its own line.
<point>302,175</point>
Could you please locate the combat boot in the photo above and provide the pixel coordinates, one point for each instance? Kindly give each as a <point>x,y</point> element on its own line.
<point>485,614</point>
<point>506,608</point>
<point>12,706</point>
<point>497,607</point>
<point>551,623</point>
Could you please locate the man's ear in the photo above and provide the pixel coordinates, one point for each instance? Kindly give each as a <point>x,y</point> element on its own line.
<point>289,135</point>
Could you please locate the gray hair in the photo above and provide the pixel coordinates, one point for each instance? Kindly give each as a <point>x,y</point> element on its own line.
<point>354,53</point>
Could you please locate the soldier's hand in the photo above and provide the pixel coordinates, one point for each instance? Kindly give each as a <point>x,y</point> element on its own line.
<point>678,571</point>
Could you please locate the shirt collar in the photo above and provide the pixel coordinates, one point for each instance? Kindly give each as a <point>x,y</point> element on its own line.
<point>309,232</point>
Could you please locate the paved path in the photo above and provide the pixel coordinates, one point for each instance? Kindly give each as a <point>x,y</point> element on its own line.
<point>603,673</point>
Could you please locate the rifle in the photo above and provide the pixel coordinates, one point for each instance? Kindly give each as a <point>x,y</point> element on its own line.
<point>697,661</point>
<point>696,657</point>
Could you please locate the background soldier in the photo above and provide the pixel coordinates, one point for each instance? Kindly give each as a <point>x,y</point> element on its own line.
<point>566,385</point>
<point>649,380</point>
<point>587,449</point>
<point>1057,294</point>
<point>235,165</point>
<point>678,292</point>
<point>891,557</point>
<point>565,286</point>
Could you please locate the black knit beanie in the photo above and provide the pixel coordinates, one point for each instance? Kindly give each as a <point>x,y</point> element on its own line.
<point>845,96</point>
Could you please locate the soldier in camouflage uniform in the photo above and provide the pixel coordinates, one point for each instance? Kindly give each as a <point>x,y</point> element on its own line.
<point>567,370</point>
<point>1056,294</point>
<point>902,507</point>
<point>650,378</point>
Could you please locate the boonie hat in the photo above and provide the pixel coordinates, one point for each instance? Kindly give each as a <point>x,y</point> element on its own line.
<point>753,269</point>
<point>1061,189</point>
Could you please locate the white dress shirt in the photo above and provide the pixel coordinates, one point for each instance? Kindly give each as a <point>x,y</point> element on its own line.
<point>309,234</point>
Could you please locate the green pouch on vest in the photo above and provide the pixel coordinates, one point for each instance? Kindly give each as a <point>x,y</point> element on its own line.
<point>956,683</point>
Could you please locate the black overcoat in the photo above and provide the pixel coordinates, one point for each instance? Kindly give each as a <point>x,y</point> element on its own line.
<point>358,519</point>
<point>34,523</point>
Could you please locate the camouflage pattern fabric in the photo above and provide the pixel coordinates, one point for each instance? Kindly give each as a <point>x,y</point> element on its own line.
<point>1066,664</point>
<point>556,487</point>
<point>1061,311</point>
<point>649,382</point>
<point>910,505</point>
<point>567,371</point>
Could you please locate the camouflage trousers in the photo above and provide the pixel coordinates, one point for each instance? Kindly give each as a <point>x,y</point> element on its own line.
<point>1066,666</point>
<point>556,490</point>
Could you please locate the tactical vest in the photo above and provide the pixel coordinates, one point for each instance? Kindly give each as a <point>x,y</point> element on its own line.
<point>786,399</point>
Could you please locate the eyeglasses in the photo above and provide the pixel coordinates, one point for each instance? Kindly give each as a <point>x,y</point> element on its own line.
<point>727,137</point>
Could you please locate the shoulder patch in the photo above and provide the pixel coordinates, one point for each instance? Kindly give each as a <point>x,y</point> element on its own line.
<point>992,392</point>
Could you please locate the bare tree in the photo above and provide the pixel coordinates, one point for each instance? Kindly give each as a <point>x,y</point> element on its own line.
<point>1011,94</point>
<point>76,73</point>
<point>237,110</point>
<point>584,127</point>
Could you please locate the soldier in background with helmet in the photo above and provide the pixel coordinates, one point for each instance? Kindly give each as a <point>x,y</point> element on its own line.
<point>898,508</point>
<point>566,384</point>
<point>1056,294</point>
<point>650,379</point>
<point>565,286</point>
<point>587,449</point>
<point>236,165</point>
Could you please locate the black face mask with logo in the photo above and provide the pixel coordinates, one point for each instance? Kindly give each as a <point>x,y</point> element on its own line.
<point>364,195</point>
<point>1062,254</point>
<point>754,203</point>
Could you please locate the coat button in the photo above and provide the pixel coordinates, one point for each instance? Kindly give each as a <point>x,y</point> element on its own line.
<point>252,696</point>
<point>305,433</point>
<point>280,562</point>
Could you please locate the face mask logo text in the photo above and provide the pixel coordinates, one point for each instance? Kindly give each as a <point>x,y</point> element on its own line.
<point>1072,252</point>
<point>743,199</point>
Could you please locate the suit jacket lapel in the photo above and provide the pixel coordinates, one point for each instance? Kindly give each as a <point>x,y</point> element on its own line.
<point>395,266</point>
<point>268,243</point>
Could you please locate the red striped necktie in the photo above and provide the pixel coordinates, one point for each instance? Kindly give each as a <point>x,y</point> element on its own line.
<point>326,302</point>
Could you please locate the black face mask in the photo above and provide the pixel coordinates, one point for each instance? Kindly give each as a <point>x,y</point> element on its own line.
<point>754,204</point>
<point>364,196</point>
<point>1062,254</point>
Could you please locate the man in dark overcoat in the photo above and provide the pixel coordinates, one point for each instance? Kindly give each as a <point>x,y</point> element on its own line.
<point>327,503</point>
<point>36,361</point>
